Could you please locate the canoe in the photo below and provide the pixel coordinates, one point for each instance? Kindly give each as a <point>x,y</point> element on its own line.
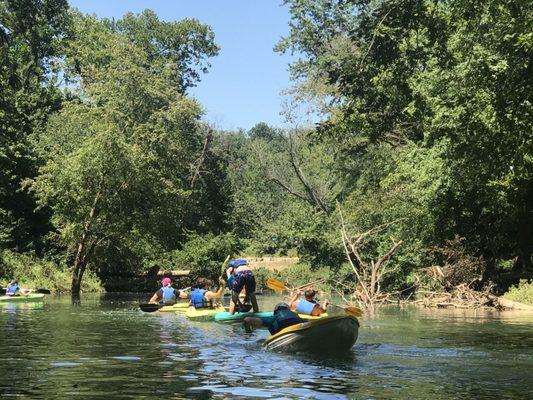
<point>266,317</point>
<point>179,307</point>
<point>24,298</point>
<point>324,335</point>
<point>203,314</point>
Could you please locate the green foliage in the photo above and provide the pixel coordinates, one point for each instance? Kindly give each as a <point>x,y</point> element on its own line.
<point>117,172</point>
<point>523,292</point>
<point>203,255</point>
<point>428,114</point>
<point>31,38</point>
<point>301,274</point>
<point>35,273</point>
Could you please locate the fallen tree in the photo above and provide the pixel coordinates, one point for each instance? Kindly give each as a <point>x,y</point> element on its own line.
<point>369,273</point>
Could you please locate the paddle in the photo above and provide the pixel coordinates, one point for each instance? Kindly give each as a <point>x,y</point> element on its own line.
<point>148,307</point>
<point>278,286</point>
<point>335,310</point>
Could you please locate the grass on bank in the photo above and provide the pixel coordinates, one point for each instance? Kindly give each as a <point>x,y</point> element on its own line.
<point>35,273</point>
<point>523,292</point>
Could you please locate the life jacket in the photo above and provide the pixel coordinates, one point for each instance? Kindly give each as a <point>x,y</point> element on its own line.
<point>283,317</point>
<point>305,306</point>
<point>198,300</point>
<point>169,297</point>
<point>10,291</point>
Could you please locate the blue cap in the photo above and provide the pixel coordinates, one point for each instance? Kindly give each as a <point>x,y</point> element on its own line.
<point>237,263</point>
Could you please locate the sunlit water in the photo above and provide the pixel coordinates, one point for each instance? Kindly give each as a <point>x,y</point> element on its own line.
<point>104,347</point>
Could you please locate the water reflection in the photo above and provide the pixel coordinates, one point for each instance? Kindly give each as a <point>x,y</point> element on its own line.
<point>104,346</point>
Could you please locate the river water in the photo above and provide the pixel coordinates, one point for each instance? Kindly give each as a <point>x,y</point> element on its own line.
<point>104,347</point>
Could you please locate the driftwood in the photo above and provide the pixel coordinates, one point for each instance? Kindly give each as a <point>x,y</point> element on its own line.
<point>459,297</point>
<point>513,305</point>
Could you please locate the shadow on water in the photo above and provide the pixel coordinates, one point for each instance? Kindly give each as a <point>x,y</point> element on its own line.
<point>104,346</point>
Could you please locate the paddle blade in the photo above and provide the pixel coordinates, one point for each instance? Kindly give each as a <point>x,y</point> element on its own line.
<point>276,285</point>
<point>355,311</point>
<point>43,291</point>
<point>149,307</point>
<point>334,310</point>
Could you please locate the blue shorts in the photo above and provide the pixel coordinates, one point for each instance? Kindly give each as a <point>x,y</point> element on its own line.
<point>244,280</point>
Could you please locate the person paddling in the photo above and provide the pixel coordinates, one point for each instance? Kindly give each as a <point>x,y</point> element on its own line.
<point>13,289</point>
<point>167,295</point>
<point>283,318</point>
<point>202,296</point>
<point>307,304</point>
<point>240,276</point>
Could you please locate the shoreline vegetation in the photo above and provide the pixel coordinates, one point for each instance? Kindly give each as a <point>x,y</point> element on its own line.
<point>417,180</point>
<point>38,273</point>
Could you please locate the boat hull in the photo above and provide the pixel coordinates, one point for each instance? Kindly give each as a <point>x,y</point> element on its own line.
<point>179,307</point>
<point>29,298</point>
<point>203,314</point>
<point>325,335</point>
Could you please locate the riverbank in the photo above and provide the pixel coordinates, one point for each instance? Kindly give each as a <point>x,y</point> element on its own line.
<point>36,273</point>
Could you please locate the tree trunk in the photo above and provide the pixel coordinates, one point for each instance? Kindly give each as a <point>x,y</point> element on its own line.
<point>82,254</point>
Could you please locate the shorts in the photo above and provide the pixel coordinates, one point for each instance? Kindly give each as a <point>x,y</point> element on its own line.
<point>243,280</point>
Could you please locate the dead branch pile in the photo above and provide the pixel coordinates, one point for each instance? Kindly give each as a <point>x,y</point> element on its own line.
<point>460,296</point>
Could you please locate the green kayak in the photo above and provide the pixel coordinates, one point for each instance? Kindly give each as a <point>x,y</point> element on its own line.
<point>227,318</point>
<point>266,317</point>
<point>28,298</point>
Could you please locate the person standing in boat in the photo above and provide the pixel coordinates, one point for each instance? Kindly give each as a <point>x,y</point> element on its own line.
<point>239,277</point>
<point>307,304</point>
<point>167,295</point>
<point>202,296</point>
<point>283,318</point>
<point>13,289</point>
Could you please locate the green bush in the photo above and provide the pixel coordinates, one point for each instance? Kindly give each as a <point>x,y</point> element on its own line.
<point>523,292</point>
<point>35,273</point>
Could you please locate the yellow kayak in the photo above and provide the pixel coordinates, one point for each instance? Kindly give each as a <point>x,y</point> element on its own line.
<point>322,335</point>
<point>179,307</point>
<point>203,314</point>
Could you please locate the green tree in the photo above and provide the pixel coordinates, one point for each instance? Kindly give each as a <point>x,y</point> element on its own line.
<point>32,35</point>
<point>428,111</point>
<point>120,157</point>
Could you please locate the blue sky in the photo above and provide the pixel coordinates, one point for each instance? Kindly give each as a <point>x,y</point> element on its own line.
<point>244,83</point>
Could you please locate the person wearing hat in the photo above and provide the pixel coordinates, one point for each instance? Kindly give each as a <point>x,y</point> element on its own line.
<point>239,277</point>
<point>167,295</point>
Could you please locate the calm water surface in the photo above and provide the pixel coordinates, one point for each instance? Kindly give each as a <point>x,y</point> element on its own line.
<point>104,347</point>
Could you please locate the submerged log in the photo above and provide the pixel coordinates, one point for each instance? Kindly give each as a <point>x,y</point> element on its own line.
<point>514,305</point>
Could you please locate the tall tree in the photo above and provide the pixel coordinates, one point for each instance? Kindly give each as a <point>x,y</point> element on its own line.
<point>32,34</point>
<point>119,155</point>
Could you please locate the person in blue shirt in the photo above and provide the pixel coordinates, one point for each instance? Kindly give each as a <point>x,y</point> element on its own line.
<point>307,304</point>
<point>167,295</point>
<point>13,289</point>
<point>202,296</point>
